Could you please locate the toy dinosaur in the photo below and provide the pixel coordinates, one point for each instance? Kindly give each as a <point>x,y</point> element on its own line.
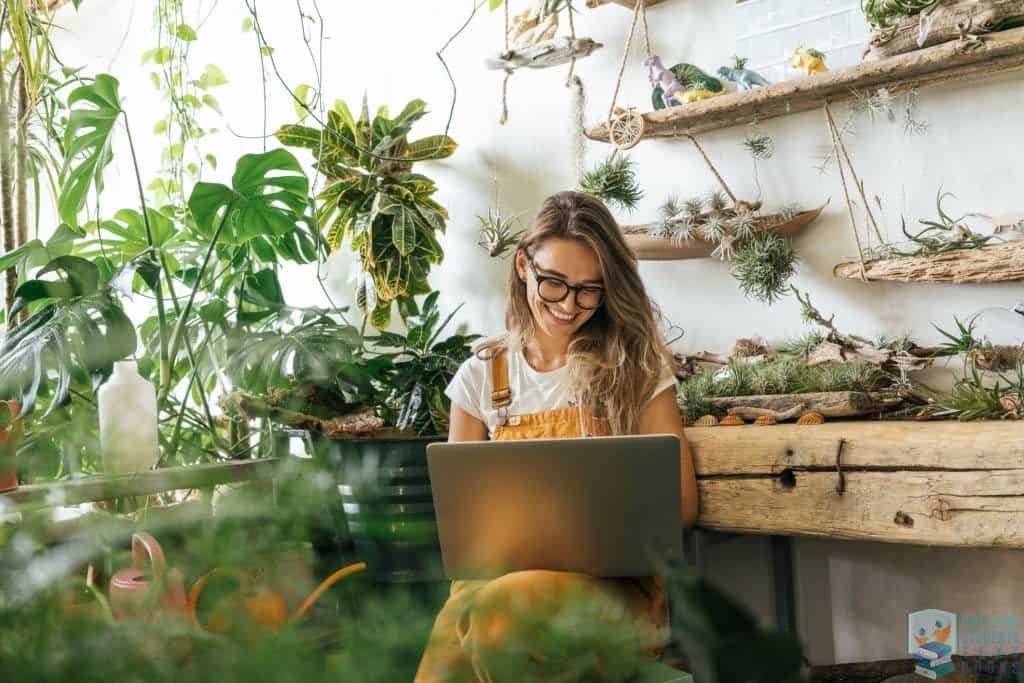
<point>809,60</point>
<point>669,90</point>
<point>744,78</point>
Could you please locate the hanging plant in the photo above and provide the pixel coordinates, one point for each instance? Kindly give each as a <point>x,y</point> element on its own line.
<point>763,266</point>
<point>373,199</point>
<point>884,16</point>
<point>614,181</point>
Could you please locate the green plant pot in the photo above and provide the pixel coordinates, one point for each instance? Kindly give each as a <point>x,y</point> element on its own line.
<point>385,495</point>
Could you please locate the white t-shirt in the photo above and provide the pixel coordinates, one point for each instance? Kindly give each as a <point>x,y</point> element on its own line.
<point>532,391</point>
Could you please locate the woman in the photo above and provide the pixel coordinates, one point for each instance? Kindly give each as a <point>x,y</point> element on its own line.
<point>583,357</point>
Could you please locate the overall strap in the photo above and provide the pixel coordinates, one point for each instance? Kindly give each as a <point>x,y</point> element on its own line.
<point>501,396</point>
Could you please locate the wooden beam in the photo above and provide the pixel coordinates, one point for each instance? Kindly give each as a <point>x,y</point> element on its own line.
<point>995,263</point>
<point>89,489</point>
<point>999,52</point>
<point>931,483</point>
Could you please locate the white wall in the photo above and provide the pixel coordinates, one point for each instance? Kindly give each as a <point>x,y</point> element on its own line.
<point>386,48</point>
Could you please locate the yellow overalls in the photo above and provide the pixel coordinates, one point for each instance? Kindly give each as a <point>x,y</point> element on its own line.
<point>481,618</point>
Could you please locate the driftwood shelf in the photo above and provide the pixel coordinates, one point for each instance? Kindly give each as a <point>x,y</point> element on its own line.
<point>649,248</point>
<point>953,61</point>
<point>931,483</point>
<point>996,263</point>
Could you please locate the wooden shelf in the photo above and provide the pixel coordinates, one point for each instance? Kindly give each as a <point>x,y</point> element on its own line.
<point>629,4</point>
<point>999,52</point>
<point>89,489</point>
<point>995,263</point>
<point>649,248</point>
<point>931,483</point>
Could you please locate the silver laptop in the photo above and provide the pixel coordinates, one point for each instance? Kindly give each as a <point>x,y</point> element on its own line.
<point>607,506</point>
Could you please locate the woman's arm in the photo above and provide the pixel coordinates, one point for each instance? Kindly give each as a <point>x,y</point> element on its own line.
<point>661,416</point>
<point>464,427</point>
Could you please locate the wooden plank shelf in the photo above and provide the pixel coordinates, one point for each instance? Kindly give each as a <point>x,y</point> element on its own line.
<point>89,489</point>
<point>930,483</point>
<point>998,52</point>
<point>993,263</point>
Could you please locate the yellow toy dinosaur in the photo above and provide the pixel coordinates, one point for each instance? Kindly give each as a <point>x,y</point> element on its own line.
<point>809,60</point>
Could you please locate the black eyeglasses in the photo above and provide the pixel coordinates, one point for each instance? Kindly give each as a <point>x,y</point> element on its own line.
<point>554,290</point>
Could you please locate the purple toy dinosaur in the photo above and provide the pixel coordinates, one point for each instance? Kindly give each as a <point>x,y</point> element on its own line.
<point>671,89</point>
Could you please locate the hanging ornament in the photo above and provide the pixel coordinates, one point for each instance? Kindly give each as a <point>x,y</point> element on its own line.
<point>626,128</point>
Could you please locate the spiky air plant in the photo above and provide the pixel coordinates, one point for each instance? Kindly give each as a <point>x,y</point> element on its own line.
<point>763,266</point>
<point>614,181</point>
<point>760,146</point>
<point>498,232</point>
<point>802,347</point>
<point>943,234</point>
<point>743,225</point>
<point>694,207</point>
<point>790,211</point>
<point>714,228</point>
<point>717,201</point>
<point>683,230</point>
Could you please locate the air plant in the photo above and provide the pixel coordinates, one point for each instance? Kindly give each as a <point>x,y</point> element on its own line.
<point>944,234</point>
<point>717,201</point>
<point>802,347</point>
<point>498,232</point>
<point>760,146</point>
<point>743,225</point>
<point>614,181</point>
<point>715,228</point>
<point>962,340</point>
<point>763,266</point>
<point>694,207</point>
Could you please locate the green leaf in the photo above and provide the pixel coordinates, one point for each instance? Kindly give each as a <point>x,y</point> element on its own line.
<point>433,147</point>
<point>212,77</point>
<point>185,32</point>
<point>87,142</point>
<point>211,160</point>
<point>162,55</point>
<point>268,196</point>
<point>403,231</point>
<point>161,127</point>
<point>302,91</point>
<point>495,4</point>
<point>266,50</point>
<point>14,258</point>
<point>154,78</point>
<point>298,136</point>
<point>246,24</point>
<point>211,102</point>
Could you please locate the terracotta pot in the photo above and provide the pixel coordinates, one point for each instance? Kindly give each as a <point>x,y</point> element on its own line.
<point>8,447</point>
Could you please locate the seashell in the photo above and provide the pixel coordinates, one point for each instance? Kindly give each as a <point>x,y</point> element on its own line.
<point>765,420</point>
<point>731,421</point>
<point>1010,402</point>
<point>706,421</point>
<point>811,419</point>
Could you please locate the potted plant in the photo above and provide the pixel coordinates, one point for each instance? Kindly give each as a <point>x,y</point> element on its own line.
<point>373,199</point>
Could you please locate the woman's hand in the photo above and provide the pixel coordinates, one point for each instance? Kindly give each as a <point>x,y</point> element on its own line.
<point>464,427</point>
<point>661,416</point>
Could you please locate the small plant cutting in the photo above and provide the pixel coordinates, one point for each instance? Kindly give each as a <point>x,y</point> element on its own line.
<point>373,199</point>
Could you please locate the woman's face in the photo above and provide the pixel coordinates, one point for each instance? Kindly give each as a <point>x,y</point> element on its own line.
<point>567,261</point>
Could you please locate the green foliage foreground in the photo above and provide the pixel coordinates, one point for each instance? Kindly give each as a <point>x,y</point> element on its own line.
<point>52,629</point>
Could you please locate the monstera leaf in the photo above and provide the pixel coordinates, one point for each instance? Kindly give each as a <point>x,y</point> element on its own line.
<point>79,330</point>
<point>87,143</point>
<point>268,197</point>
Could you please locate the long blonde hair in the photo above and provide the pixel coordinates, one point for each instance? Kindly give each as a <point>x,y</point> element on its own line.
<point>617,357</point>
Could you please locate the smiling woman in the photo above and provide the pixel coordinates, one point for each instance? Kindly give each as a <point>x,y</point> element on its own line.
<point>582,357</point>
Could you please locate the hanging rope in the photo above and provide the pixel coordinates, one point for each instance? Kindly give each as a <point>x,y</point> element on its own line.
<point>707,160</point>
<point>836,144</point>
<point>640,8</point>
<point>508,73</point>
<point>572,35</point>
<point>856,179</point>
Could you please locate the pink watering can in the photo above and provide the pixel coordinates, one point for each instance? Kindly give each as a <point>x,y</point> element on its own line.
<point>148,589</point>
